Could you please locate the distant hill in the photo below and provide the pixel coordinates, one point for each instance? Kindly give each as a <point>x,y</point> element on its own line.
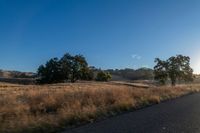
<point>16,74</point>
<point>131,74</point>
<point>128,74</point>
<point>17,77</point>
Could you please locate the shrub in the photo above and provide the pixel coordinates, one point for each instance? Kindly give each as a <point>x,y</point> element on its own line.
<point>103,76</point>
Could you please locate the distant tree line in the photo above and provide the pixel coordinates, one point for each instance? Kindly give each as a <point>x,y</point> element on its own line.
<point>131,74</point>
<point>69,68</point>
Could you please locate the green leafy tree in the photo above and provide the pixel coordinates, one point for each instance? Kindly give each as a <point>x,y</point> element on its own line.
<point>87,74</point>
<point>68,68</point>
<point>66,62</point>
<point>79,64</point>
<point>175,68</point>
<point>160,71</point>
<point>179,69</point>
<point>51,72</point>
<point>103,76</point>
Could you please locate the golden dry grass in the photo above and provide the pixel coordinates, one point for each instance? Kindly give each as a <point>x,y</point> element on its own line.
<point>49,108</point>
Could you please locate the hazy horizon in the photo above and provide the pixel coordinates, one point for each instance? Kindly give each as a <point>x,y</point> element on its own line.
<point>109,33</point>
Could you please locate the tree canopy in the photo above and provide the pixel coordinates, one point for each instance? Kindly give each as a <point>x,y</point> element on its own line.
<point>175,68</point>
<point>68,68</point>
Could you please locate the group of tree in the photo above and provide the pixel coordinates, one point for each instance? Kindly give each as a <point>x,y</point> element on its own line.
<point>69,68</point>
<point>176,68</point>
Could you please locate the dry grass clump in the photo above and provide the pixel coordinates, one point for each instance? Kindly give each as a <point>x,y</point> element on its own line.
<point>50,108</point>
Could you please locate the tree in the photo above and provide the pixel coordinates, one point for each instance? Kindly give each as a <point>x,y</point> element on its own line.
<point>79,64</point>
<point>66,62</point>
<point>175,68</point>
<point>75,67</point>
<point>87,74</point>
<point>68,68</point>
<point>160,71</point>
<point>103,76</point>
<point>179,69</point>
<point>51,72</point>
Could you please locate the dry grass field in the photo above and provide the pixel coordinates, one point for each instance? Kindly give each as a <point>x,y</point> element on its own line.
<point>51,108</point>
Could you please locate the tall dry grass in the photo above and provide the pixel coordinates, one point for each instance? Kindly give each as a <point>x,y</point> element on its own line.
<point>52,108</point>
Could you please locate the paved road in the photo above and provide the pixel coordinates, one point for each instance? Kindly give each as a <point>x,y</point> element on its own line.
<point>177,116</point>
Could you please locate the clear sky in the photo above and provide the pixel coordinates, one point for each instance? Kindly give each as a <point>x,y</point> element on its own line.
<point>109,33</point>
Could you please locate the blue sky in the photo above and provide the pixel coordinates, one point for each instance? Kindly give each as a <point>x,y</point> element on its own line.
<point>109,33</point>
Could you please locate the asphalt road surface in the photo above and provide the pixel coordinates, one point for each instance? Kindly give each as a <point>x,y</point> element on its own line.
<point>181,115</point>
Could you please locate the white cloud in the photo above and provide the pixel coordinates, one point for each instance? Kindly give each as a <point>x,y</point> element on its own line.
<point>135,56</point>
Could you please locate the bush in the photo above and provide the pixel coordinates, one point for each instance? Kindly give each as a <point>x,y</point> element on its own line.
<point>103,76</point>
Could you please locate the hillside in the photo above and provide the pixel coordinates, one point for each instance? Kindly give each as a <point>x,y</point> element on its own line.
<point>131,74</point>
<point>17,77</point>
<point>16,74</point>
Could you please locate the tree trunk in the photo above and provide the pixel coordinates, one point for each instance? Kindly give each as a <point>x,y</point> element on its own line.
<point>173,82</point>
